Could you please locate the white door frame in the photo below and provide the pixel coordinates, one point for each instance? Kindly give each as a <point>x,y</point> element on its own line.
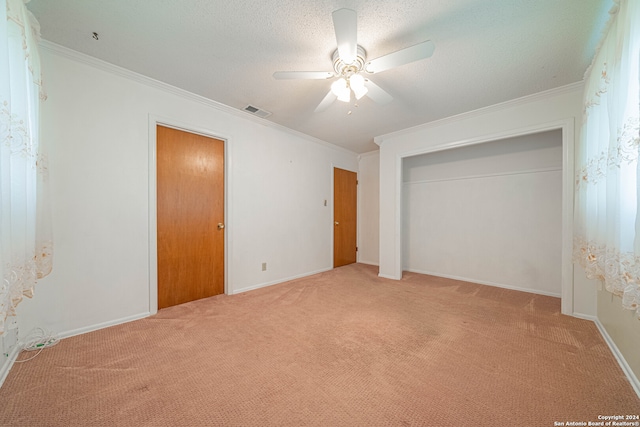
<point>568,147</point>
<point>154,121</point>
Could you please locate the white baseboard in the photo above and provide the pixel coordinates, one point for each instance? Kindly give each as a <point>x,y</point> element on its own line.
<point>275,282</point>
<point>103,325</point>
<point>388,276</point>
<point>483,282</point>
<point>631,376</point>
<point>8,362</point>
<point>368,262</point>
<point>585,316</point>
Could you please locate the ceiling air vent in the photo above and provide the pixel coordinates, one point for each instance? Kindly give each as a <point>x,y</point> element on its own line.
<point>257,111</point>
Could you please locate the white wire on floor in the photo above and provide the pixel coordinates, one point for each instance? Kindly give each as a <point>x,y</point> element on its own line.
<point>37,340</point>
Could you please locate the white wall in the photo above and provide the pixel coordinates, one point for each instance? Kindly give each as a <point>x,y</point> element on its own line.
<point>556,109</point>
<point>369,207</point>
<point>489,213</point>
<point>97,122</point>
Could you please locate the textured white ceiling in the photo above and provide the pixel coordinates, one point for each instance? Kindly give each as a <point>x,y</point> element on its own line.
<point>487,51</point>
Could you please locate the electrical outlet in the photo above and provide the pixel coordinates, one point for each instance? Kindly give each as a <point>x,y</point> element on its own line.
<point>264,266</point>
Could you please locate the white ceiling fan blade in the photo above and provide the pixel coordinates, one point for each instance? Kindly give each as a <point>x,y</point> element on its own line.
<point>345,26</point>
<point>324,104</point>
<point>376,93</point>
<point>306,75</point>
<point>401,57</point>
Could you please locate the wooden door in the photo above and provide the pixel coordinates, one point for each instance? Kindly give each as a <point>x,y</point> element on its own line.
<point>190,216</point>
<point>345,201</point>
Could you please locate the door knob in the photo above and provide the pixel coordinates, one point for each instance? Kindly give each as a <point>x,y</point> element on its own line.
<point>337,223</point>
<point>220,226</point>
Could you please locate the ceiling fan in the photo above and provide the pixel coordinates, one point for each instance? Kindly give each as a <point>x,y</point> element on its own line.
<point>350,63</point>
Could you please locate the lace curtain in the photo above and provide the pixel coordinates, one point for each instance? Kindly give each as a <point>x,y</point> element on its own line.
<point>25,232</point>
<point>607,235</point>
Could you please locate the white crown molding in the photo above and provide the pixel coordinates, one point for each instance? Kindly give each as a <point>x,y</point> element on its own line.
<point>156,84</point>
<point>368,154</point>
<point>482,111</point>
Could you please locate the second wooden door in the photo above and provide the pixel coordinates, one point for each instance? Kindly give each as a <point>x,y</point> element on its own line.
<point>345,201</point>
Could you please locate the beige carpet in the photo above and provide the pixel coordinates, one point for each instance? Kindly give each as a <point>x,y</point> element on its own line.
<point>341,348</point>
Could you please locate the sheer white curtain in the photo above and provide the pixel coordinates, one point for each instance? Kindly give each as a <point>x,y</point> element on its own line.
<point>25,232</point>
<point>607,235</point>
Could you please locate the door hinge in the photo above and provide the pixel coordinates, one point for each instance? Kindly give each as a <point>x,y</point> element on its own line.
<point>356,249</point>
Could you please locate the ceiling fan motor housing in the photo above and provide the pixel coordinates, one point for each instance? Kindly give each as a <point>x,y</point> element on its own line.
<point>347,70</point>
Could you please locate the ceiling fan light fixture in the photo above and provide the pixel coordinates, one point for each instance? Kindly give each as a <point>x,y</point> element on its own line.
<point>345,96</point>
<point>360,93</point>
<point>357,85</point>
<point>340,88</point>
